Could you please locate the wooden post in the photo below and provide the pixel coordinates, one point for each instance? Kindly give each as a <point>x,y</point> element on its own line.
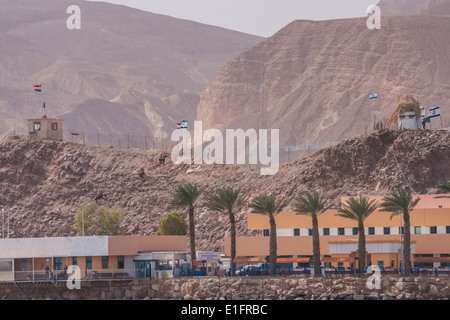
<point>128,140</point>
<point>145,139</point>
<point>98,139</point>
<point>84,139</point>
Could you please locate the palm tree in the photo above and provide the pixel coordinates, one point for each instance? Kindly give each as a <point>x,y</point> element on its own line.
<point>227,200</point>
<point>270,206</point>
<point>185,196</point>
<point>358,209</point>
<point>445,186</point>
<point>313,205</point>
<point>401,202</point>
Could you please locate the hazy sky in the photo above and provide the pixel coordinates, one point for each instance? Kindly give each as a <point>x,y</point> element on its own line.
<point>258,17</point>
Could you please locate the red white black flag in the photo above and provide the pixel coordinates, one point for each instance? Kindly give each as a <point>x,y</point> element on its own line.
<point>38,88</point>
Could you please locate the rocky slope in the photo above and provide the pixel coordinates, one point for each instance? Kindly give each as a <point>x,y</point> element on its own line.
<point>45,180</point>
<point>318,76</point>
<point>123,66</point>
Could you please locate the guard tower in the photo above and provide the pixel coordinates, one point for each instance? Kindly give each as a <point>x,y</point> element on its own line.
<point>406,114</point>
<point>46,128</point>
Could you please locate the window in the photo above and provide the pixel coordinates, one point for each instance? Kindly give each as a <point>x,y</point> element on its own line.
<point>310,232</point>
<point>58,263</point>
<point>74,261</point>
<point>386,230</point>
<point>54,126</point>
<point>341,231</point>
<point>380,263</point>
<point>105,260</point>
<point>326,231</point>
<point>296,232</point>
<point>266,232</point>
<point>371,230</point>
<point>433,230</point>
<point>401,230</point>
<point>89,263</point>
<point>120,262</point>
<point>355,231</point>
<point>36,126</point>
<point>417,230</point>
<point>447,229</point>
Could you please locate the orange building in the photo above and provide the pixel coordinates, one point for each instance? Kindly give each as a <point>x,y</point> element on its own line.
<point>430,237</point>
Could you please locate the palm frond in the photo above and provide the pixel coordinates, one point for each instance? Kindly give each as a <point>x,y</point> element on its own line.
<point>311,204</point>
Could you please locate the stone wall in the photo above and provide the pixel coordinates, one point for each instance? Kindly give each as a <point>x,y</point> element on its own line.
<point>236,288</point>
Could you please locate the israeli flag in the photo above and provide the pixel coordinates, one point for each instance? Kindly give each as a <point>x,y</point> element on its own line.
<point>184,124</point>
<point>373,95</point>
<point>434,112</point>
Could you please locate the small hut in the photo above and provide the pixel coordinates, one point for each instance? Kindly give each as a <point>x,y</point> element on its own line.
<point>406,114</point>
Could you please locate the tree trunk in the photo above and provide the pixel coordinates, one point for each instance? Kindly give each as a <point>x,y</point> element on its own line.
<point>192,234</point>
<point>406,245</point>
<point>361,248</point>
<point>233,242</point>
<point>316,245</point>
<point>273,245</point>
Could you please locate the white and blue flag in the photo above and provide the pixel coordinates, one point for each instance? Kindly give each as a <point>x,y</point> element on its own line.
<point>422,112</point>
<point>373,95</point>
<point>184,124</point>
<point>434,112</point>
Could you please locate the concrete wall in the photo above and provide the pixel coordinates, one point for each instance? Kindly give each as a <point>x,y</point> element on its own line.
<point>56,247</point>
<point>238,288</point>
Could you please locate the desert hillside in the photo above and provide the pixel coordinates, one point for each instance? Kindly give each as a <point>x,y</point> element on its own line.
<point>318,76</point>
<point>46,179</point>
<point>125,70</point>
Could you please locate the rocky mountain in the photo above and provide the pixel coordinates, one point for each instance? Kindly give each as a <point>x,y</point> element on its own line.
<point>124,66</point>
<point>318,76</point>
<point>46,179</point>
<point>402,7</point>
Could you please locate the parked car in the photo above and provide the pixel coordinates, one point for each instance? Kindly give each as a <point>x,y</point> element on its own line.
<point>254,270</point>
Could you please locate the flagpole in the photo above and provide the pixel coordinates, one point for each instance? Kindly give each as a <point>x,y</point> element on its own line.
<point>14,129</point>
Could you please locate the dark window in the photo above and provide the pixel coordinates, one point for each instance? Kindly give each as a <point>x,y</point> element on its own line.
<point>447,229</point>
<point>266,232</point>
<point>387,230</point>
<point>401,230</point>
<point>54,126</point>
<point>88,262</point>
<point>355,231</point>
<point>74,261</point>
<point>433,230</point>
<point>120,262</point>
<point>36,126</point>
<point>105,260</point>
<point>310,232</point>
<point>58,263</point>
<point>341,231</point>
<point>326,231</point>
<point>417,230</point>
<point>296,232</point>
<point>371,230</point>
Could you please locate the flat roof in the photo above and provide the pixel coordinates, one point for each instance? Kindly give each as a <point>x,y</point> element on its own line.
<point>88,246</point>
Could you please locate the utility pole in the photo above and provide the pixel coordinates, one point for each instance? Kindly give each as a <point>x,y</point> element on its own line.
<point>263,86</point>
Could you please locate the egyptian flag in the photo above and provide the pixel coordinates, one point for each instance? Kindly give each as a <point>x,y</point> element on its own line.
<point>38,88</point>
<point>179,125</point>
